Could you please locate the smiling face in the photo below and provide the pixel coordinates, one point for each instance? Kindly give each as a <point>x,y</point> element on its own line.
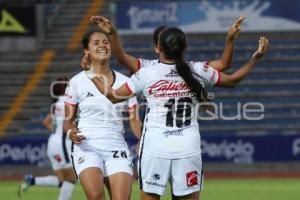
<point>98,47</point>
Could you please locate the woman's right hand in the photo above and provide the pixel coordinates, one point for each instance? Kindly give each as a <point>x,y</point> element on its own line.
<point>104,24</point>
<point>85,62</point>
<point>263,47</point>
<point>75,136</point>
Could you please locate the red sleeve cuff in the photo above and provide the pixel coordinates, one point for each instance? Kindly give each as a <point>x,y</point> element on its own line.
<point>138,64</point>
<point>71,104</point>
<point>219,78</point>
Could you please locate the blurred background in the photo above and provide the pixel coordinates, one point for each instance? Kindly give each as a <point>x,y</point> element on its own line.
<point>257,131</point>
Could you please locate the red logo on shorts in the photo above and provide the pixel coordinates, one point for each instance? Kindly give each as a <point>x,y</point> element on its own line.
<point>191,178</point>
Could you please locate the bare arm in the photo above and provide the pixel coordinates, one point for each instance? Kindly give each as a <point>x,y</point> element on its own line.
<point>70,115</point>
<point>47,122</point>
<point>117,47</point>
<point>115,96</point>
<point>225,61</point>
<point>234,79</point>
<point>135,122</point>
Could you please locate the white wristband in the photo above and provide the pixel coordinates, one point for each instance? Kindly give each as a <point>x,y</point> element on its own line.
<point>90,73</point>
<point>68,132</point>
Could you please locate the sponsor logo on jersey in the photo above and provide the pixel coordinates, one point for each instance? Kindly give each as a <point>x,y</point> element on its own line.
<point>173,133</point>
<point>165,85</point>
<point>191,178</point>
<point>155,184</point>
<point>169,89</point>
<point>173,73</point>
<point>89,94</point>
<point>156,176</point>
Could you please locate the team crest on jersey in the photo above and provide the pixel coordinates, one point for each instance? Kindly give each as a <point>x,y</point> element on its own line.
<point>173,73</point>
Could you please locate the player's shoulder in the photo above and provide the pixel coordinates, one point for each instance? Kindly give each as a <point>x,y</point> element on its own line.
<point>147,70</point>
<point>144,63</point>
<point>198,66</point>
<point>78,77</point>
<point>197,63</point>
<point>120,76</point>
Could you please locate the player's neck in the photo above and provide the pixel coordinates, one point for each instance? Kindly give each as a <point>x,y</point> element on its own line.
<point>165,60</point>
<point>102,68</point>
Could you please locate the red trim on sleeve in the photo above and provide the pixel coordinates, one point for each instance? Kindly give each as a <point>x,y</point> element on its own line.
<point>128,88</point>
<point>71,104</point>
<point>219,78</point>
<point>138,63</point>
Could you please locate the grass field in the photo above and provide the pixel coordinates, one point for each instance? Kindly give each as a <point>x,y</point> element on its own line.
<point>214,189</point>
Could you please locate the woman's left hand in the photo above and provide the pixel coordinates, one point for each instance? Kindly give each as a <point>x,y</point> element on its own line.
<point>104,24</point>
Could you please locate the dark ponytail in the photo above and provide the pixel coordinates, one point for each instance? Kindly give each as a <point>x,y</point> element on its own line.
<point>173,43</point>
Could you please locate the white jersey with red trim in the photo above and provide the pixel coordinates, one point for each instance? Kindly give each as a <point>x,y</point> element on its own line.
<point>147,63</point>
<point>170,128</point>
<point>97,116</point>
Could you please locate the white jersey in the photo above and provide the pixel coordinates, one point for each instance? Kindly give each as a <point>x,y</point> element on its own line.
<point>58,115</point>
<point>148,63</point>
<point>170,128</point>
<point>98,118</point>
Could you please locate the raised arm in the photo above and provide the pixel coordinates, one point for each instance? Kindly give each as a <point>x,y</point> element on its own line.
<point>114,95</point>
<point>225,61</point>
<point>117,47</point>
<point>234,79</point>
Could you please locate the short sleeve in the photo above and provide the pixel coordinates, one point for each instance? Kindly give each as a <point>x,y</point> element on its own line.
<point>207,75</point>
<point>142,63</point>
<point>136,83</point>
<point>71,93</point>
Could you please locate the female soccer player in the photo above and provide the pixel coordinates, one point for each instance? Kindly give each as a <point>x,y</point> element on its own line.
<point>100,153</point>
<point>58,149</point>
<point>170,143</point>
